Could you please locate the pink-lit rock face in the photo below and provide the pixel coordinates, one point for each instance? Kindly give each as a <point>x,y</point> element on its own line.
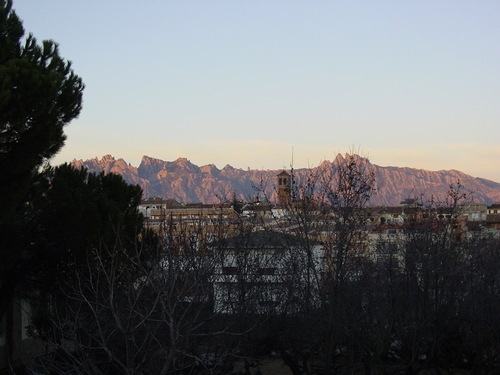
<point>186,182</point>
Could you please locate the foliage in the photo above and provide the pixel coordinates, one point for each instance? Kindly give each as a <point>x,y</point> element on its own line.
<point>76,210</point>
<point>39,95</point>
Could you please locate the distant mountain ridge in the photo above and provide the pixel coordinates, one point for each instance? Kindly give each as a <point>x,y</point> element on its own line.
<point>186,182</point>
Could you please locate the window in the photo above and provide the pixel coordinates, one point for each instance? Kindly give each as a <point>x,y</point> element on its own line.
<point>230,270</point>
<point>386,248</point>
<point>266,271</point>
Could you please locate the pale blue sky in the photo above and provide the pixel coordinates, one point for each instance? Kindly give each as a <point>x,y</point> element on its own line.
<point>407,83</point>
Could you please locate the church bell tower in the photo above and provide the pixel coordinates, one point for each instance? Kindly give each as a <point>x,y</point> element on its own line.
<point>284,187</point>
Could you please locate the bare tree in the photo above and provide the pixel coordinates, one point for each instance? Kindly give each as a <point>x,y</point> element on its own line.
<point>327,208</point>
<point>126,313</point>
<point>433,258</point>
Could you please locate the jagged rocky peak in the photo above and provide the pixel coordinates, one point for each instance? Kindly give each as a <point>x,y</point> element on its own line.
<point>95,165</point>
<point>107,158</point>
<point>185,181</point>
<point>150,168</point>
<point>77,163</point>
<point>339,159</point>
<point>120,166</point>
<point>210,169</point>
<point>170,166</point>
<point>185,164</point>
<point>153,168</point>
<point>148,160</point>
<point>325,164</point>
<point>104,161</point>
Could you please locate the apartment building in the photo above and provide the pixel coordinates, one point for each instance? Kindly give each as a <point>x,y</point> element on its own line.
<point>265,268</point>
<point>161,213</point>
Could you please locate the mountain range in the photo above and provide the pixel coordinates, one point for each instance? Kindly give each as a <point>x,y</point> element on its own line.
<point>186,182</point>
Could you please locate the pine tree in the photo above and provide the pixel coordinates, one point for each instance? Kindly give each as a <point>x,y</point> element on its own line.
<point>39,95</point>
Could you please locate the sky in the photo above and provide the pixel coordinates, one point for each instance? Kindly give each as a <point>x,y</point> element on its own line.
<point>266,84</point>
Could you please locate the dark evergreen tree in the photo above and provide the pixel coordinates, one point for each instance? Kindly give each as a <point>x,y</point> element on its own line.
<point>75,217</point>
<point>74,211</point>
<point>39,95</point>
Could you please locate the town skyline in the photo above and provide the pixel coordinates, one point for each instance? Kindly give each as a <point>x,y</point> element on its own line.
<point>251,84</point>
